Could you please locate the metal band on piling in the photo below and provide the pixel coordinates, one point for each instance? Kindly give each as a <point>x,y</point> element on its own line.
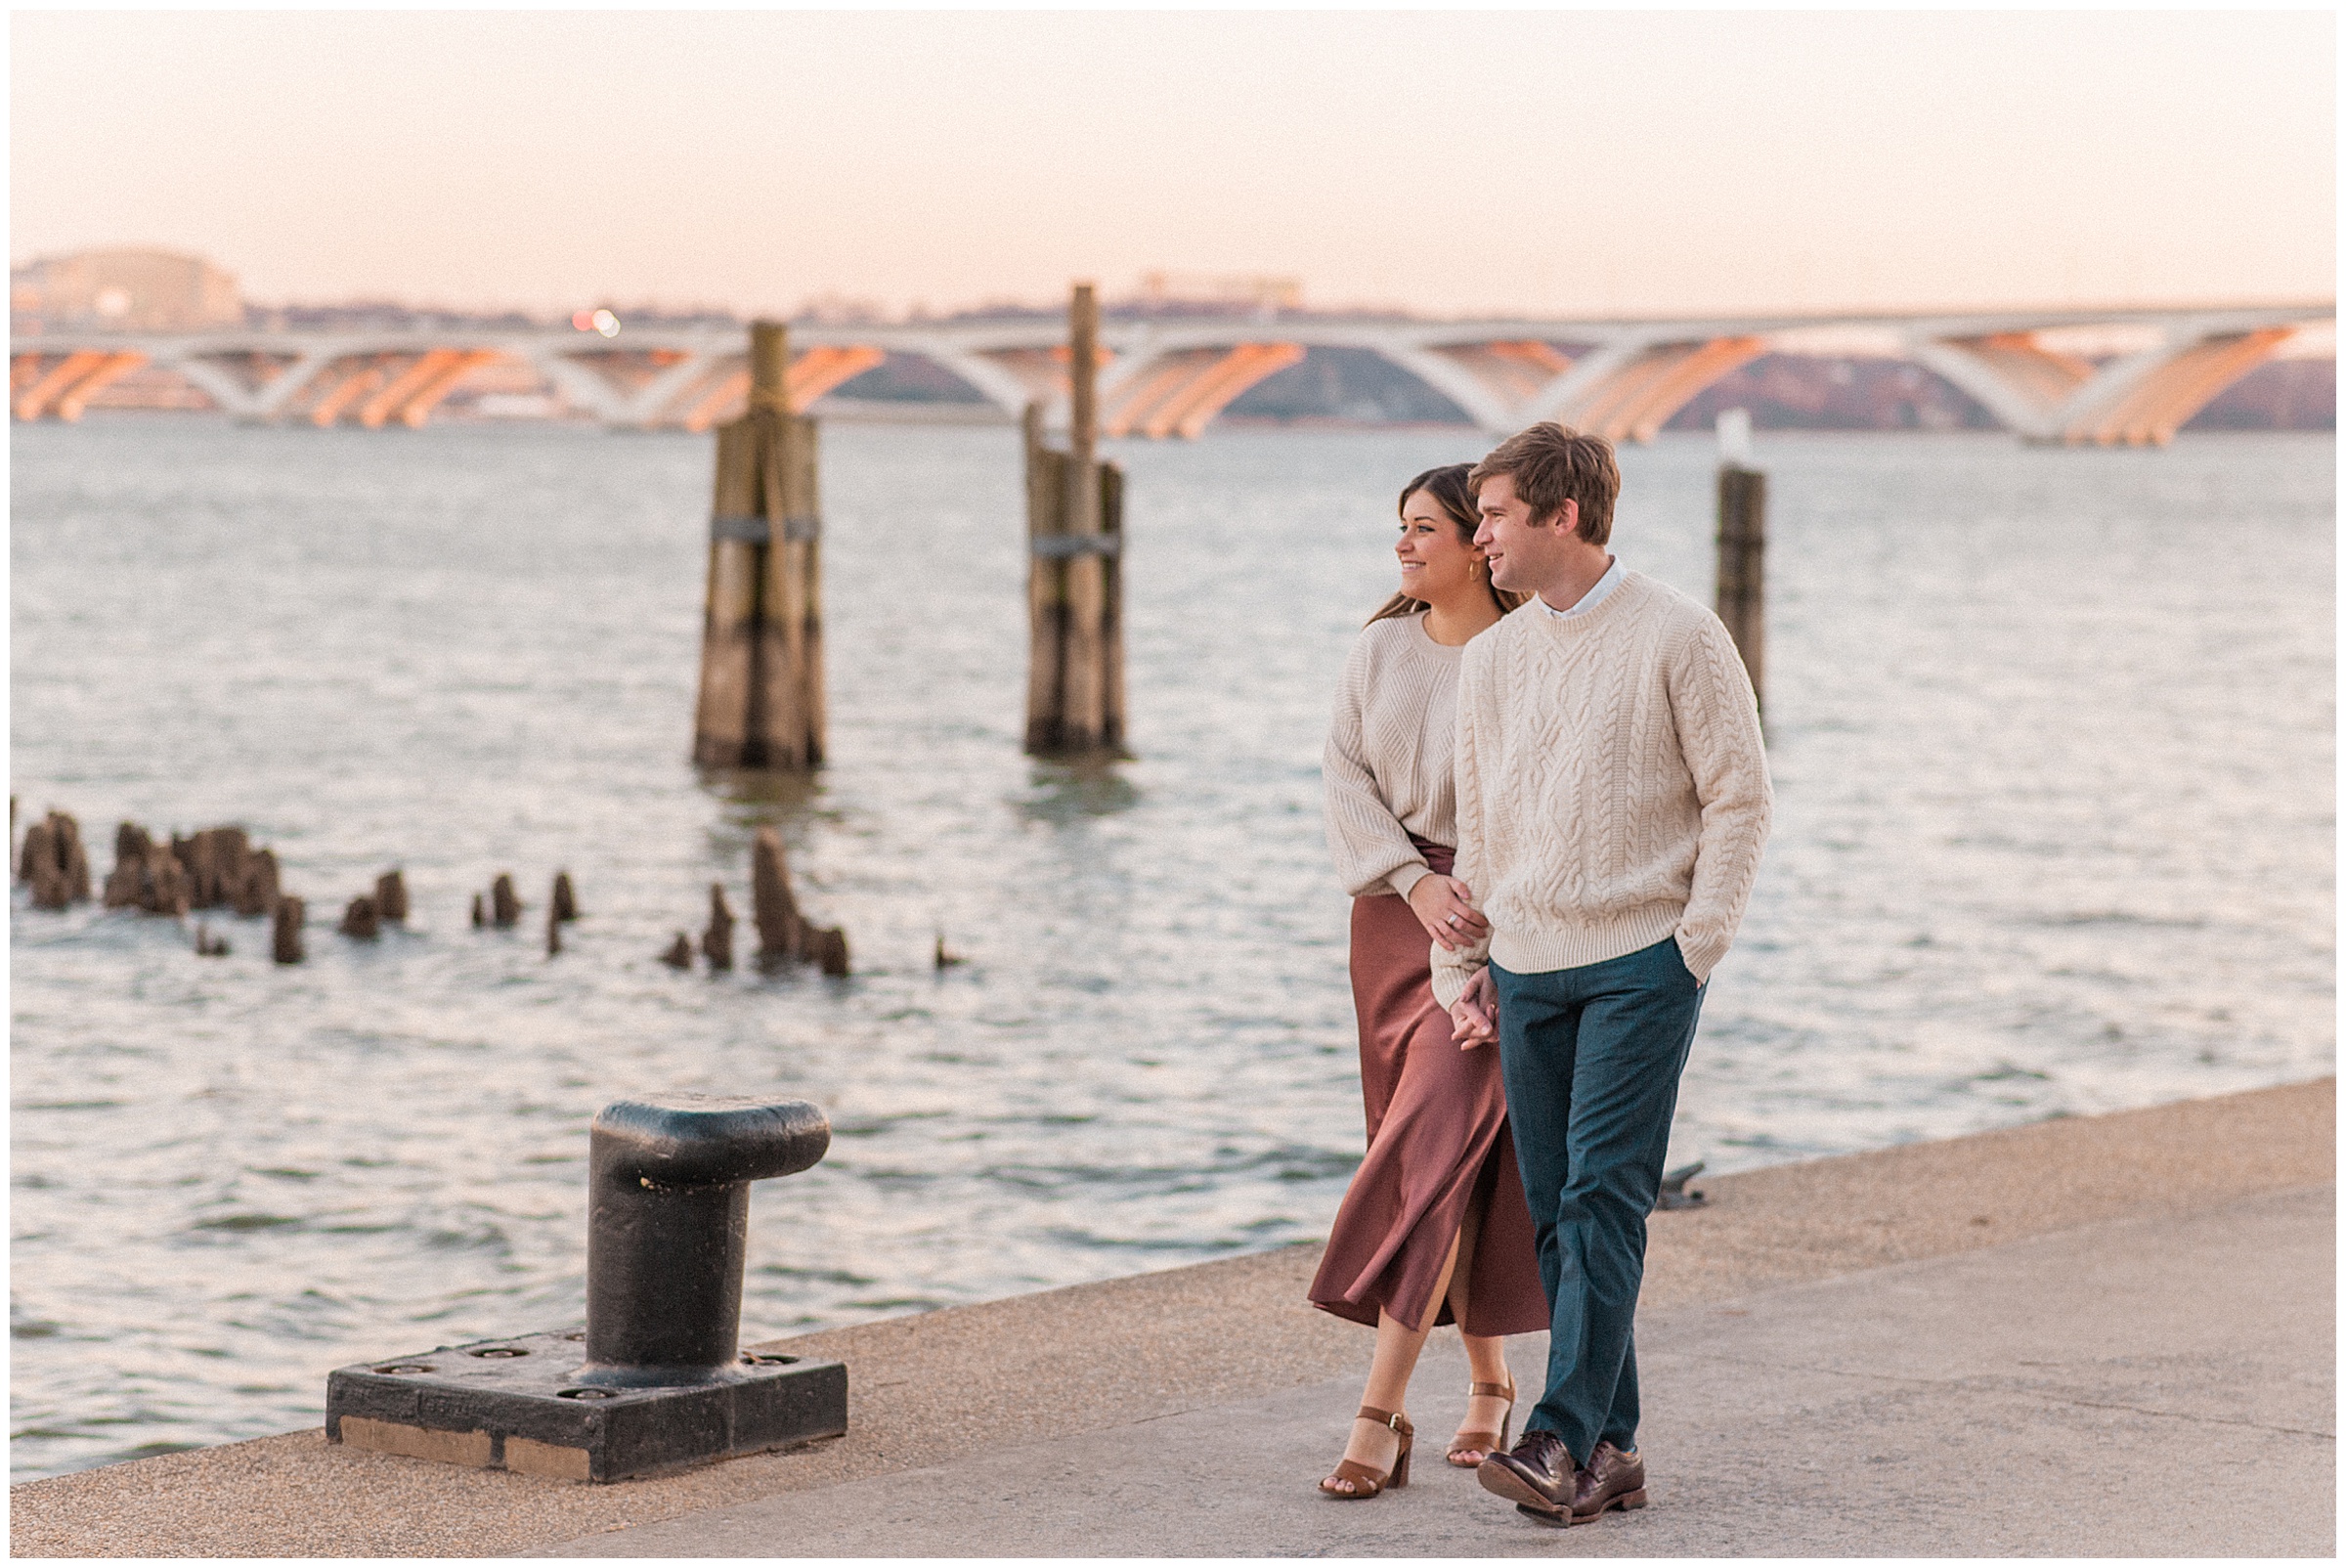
<point>749,530</point>
<point>1065,547</point>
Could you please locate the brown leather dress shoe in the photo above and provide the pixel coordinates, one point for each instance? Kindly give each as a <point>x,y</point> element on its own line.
<point>1536,1475</point>
<point>1611,1479</point>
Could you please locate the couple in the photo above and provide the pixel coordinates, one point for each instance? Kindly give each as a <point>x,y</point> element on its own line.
<point>1584,742</point>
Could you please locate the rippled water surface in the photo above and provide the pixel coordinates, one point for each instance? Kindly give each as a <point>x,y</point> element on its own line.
<point>2052,731</point>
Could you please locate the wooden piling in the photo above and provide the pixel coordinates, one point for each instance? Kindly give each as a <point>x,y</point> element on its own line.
<point>391,896</point>
<point>553,932</point>
<point>780,930</point>
<point>564,904</point>
<point>148,875</point>
<point>214,859</point>
<point>1075,592</point>
<point>1742,567</point>
<point>53,860</point>
<point>718,941</point>
<point>285,932</point>
<point>784,933</point>
<point>166,890</point>
<point>74,859</point>
<point>256,889</point>
<point>360,919</point>
<point>37,865</point>
<point>504,905</point>
<point>761,701</point>
<point>679,953</point>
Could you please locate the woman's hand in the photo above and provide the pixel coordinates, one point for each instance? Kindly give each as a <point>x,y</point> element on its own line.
<point>1441,906</point>
<point>1474,1016</point>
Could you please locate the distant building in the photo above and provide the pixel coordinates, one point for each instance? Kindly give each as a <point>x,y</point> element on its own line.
<point>1180,292</point>
<point>121,291</point>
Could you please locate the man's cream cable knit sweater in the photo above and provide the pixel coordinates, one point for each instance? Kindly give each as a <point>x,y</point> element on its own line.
<point>1612,787</point>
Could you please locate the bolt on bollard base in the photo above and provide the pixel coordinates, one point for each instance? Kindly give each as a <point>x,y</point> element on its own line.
<point>656,1380</point>
<point>521,1405</point>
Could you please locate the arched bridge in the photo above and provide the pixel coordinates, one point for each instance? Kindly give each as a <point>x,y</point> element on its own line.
<point>1170,377</point>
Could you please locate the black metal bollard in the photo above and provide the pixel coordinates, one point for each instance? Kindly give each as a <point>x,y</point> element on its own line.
<point>669,1180</point>
<point>657,1380</point>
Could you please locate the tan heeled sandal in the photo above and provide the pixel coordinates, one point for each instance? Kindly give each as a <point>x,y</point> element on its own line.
<point>1368,1483</point>
<point>1484,1444</point>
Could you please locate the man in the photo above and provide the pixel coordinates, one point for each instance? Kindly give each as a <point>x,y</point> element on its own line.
<point>1613,798</point>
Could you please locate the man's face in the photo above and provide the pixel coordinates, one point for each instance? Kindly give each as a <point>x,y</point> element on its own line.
<point>1523,552</point>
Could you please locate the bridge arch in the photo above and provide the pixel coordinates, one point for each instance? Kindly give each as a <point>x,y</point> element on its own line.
<point>1172,377</point>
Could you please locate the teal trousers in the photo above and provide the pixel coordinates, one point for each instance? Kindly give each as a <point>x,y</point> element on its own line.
<point>1592,1058</point>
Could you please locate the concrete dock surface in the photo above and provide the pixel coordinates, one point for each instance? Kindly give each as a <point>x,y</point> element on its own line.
<point>2103,1335</point>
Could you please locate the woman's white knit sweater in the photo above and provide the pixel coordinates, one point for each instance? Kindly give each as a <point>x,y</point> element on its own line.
<point>1387,760</point>
<point>1611,785</point>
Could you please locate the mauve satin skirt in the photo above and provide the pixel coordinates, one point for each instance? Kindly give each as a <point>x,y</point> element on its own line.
<point>1439,1153</point>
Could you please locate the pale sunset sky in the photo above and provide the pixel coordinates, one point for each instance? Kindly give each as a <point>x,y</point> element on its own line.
<point>1545,162</point>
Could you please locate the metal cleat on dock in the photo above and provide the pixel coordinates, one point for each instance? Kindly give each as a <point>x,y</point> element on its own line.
<point>656,1380</point>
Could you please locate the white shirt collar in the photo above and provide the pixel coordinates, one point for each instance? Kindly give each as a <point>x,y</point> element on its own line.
<point>1589,600</point>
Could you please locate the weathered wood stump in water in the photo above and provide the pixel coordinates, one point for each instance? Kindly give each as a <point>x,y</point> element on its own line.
<point>53,860</point>
<point>718,941</point>
<point>679,953</point>
<point>1074,573</point>
<point>132,847</point>
<point>762,699</point>
<point>480,917</point>
<point>214,862</point>
<point>391,896</point>
<point>565,897</point>
<point>257,888</point>
<point>784,935</point>
<point>36,864</point>
<point>361,920</point>
<point>505,909</point>
<point>286,937</point>
<point>164,889</point>
<point>554,932</point>
<point>781,933</point>
<point>76,859</point>
<point>149,874</point>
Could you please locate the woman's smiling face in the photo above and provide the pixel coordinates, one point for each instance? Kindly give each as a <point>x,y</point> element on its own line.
<point>1436,560</point>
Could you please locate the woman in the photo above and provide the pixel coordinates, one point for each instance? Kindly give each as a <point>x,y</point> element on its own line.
<point>1434,1229</point>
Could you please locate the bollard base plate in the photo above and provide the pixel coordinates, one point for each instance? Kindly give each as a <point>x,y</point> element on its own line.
<point>518,1405</point>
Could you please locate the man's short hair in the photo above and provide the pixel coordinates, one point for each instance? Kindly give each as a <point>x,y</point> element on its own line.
<point>1551,465</point>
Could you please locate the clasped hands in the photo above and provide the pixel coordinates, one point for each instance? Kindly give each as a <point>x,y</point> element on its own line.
<point>1441,906</point>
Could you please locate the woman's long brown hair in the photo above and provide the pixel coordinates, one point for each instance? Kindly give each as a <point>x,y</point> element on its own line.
<point>1448,486</point>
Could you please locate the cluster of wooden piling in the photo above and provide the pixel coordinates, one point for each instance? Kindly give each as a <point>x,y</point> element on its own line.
<point>785,936</point>
<point>762,699</point>
<point>221,868</point>
<point>215,868</point>
<point>503,907</point>
<point>761,648</point>
<point>1074,574</point>
<point>365,916</point>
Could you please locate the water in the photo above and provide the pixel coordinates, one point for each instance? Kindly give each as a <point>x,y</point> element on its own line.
<point>2052,731</point>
